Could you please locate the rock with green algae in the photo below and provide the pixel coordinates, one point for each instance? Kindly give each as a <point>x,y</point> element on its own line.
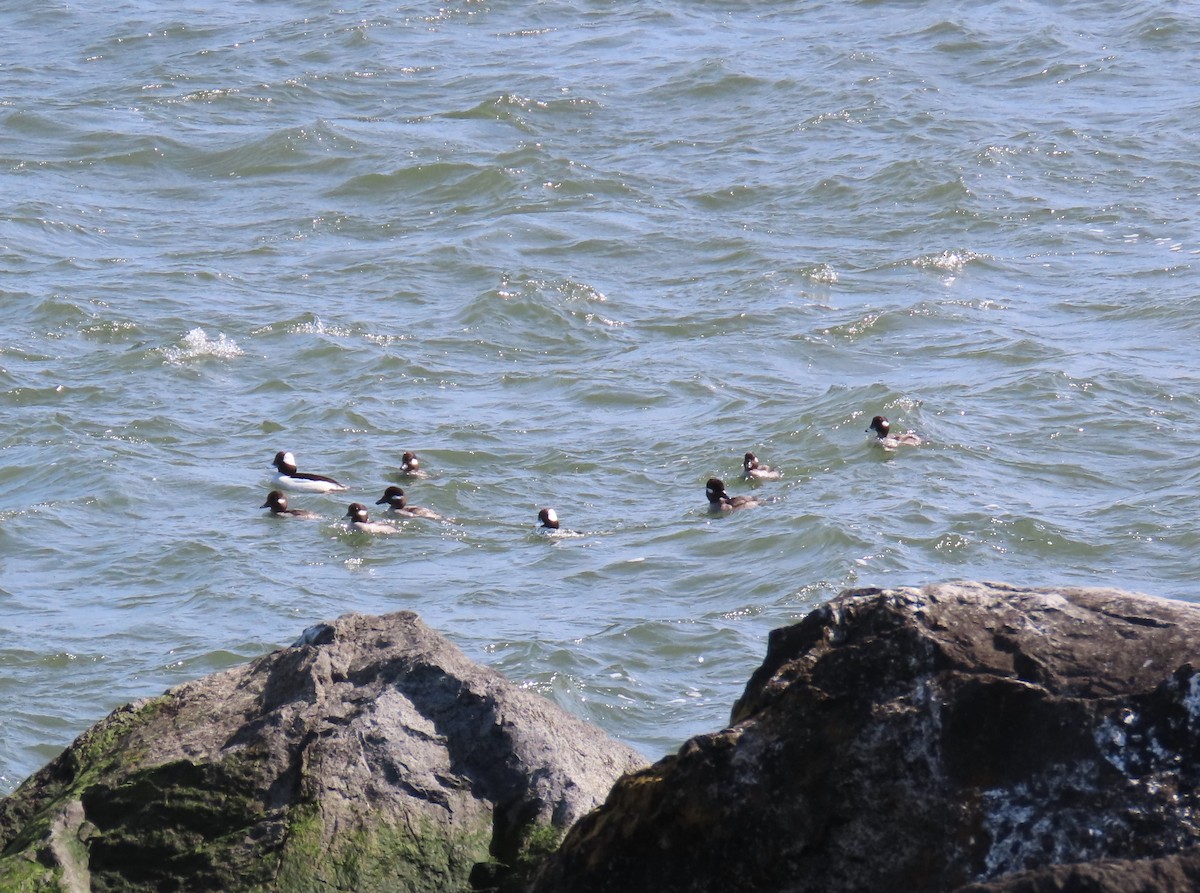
<point>372,755</point>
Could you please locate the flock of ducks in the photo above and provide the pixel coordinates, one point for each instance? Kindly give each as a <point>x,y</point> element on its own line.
<point>289,477</point>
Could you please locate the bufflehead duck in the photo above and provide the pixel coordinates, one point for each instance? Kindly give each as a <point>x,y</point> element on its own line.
<point>358,520</point>
<point>397,503</point>
<point>410,466</point>
<point>720,501</point>
<point>756,471</point>
<point>883,436</point>
<point>278,505</point>
<point>291,479</point>
<point>548,526</point>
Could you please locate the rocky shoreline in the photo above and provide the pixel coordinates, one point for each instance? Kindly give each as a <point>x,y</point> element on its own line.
<point>957,737</point>
<point>372,755</point>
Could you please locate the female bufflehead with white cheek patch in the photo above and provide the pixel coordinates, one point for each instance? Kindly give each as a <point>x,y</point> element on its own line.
<point>753,470</point>
<point>291,479</point>
<point>397,503</point>
<point>721,501</point>
<point>277,502</point>
<point>884,438</point>
<point>357,519</point>
<point>410,466</point>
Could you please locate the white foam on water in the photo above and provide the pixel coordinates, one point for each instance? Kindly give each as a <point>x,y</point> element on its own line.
<point>196,345</point>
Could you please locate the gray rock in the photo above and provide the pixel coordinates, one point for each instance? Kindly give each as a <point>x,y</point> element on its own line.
<point>922,740</point>
<point>372,755</point>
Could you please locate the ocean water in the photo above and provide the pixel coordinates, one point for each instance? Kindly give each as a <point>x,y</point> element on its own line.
<point>581,255</point>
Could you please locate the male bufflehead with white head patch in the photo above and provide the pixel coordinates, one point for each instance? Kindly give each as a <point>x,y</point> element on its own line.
<point>291,479</point>
<point>548,526</point>
<point>720,501</point>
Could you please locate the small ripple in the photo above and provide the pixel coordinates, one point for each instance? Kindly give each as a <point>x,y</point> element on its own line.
<point>434,180</point>
<point>537,314</point>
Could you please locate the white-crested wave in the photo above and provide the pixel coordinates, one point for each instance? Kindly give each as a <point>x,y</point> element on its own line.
<point>196,344</point>
<point>949,261</point>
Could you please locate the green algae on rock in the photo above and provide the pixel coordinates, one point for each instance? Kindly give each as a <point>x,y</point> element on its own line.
<point>370,756</point>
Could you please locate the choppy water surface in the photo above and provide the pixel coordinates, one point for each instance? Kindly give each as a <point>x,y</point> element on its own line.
<point>581,255</point>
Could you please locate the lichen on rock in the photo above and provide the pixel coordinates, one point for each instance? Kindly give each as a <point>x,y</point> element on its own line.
<point>926,740</point>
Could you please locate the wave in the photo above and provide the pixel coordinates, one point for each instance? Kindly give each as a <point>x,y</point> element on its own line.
<point>196,344</point>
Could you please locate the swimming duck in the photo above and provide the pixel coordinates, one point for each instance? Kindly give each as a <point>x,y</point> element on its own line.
<point>753,470</point>
<point>397,503</point>
<point>291,479</point>
<point>884,438</point>
<point>410,465</point>
<point>358,520</point>
<point>721,501</point>
<point>277,502</point>
<point>548,519</point>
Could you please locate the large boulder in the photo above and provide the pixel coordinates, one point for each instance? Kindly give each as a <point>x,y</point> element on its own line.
<point>372,755</point>
<point>924,740</point>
